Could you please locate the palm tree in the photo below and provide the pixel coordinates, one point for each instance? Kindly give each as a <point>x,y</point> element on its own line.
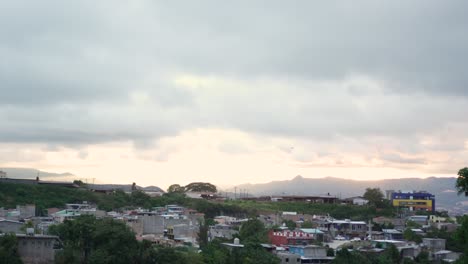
<point>462,181</point>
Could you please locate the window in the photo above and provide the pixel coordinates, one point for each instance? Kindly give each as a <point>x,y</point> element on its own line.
<point>286,260</point>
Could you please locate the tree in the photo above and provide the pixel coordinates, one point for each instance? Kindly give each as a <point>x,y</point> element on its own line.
<point>461,236</point>
<point>290,224</point>
<point>200,187</point>
<point>175,188</point>
<point>307,224</point>
<point>139,198</point>
<point>343,256</point>
<point>462,181</point>
<point>374,196</point>
<point>422,257</point>
<point>90,240</point>
<point>253,231</point>
<point>79,183</point>
<point>9,249</point>
<point>392,254</point>
<point>254,253</point>
<point>410,235</point>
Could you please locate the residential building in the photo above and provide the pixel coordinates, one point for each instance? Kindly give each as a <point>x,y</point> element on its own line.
<point>446,256</point>
<point>37,249</point>
<point>311,254</point>
<point>414,200</point>
<point>221,231</point>
<point>392,234</point>
<point>343,227</point>
<point>288,258</point>
<point>309,199</point>
<point>358,200</point>
<point>10,226</point>
<point>287,237</point>
<point>418,219</point>
<point>434,244</point>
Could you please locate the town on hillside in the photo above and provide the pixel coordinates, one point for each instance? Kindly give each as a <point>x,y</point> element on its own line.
<point>198,224</point>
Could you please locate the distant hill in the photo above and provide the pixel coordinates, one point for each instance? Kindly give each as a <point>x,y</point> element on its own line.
<point>123,187</point>
<point>442,188</point>
<point>28,173</point>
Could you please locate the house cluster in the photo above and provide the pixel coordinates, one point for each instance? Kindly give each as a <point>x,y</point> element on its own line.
<point>225,227</point>
<point>301,244</point>
<point>171,225</point>
<point>33,245</point>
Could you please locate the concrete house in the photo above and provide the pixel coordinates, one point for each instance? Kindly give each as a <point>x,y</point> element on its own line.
<point>37,249</point>
<point>10,226</point>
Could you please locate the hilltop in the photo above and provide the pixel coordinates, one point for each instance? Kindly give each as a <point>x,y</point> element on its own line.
<point>442,188</point>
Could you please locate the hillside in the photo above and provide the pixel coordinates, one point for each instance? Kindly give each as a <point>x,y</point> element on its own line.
<point>442,188</point>
<point>28,173</point>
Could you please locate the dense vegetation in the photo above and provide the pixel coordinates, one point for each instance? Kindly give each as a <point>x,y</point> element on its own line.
<point>9,249</point>
<point>338,211</point>
<point>55,196</point>
<point>90,240</point>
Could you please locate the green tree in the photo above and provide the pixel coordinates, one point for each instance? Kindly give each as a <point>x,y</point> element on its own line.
<point>176,188</point>
<point>391,255</point>
<point>9,249</point>
<point>462,181</point>
<point>307,224</point>
<point>344,256</point>
<point>254,253</point>
<point>410,235</point>
<point>423,258</point>
<point>79,183</point>
<point>139,198</point>
<point>290,224</point>
<point>215,253</point>
<point>200,187</point>
<point>374,196</point>
<point>90,240</point>
<point>461,236</point>
<point>253,231</point>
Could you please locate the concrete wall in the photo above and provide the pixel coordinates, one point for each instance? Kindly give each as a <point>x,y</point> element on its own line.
<point>36,250</point>
<point>10,227</point>
<point>434,244</point>
<point>315,252</point>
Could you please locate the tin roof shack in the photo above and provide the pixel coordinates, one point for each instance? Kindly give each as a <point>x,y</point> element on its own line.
<point>10,226</point>
<point>37,249</point>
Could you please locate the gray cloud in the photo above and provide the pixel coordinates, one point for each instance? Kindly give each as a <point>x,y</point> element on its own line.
<point>89,72</point>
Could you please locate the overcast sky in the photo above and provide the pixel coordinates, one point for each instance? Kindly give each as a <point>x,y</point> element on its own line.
<point>161,92</point>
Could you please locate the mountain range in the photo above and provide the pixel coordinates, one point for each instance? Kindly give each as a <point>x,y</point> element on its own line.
<point>28,173</point>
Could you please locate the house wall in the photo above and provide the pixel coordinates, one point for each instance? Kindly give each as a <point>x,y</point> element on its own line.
<point>36,250</point>
<point>10,227</point>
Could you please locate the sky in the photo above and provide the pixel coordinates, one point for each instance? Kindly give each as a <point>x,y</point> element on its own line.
<point>163,92</point>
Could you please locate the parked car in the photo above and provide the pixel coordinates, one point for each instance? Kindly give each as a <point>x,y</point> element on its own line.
<point>338,237</point>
